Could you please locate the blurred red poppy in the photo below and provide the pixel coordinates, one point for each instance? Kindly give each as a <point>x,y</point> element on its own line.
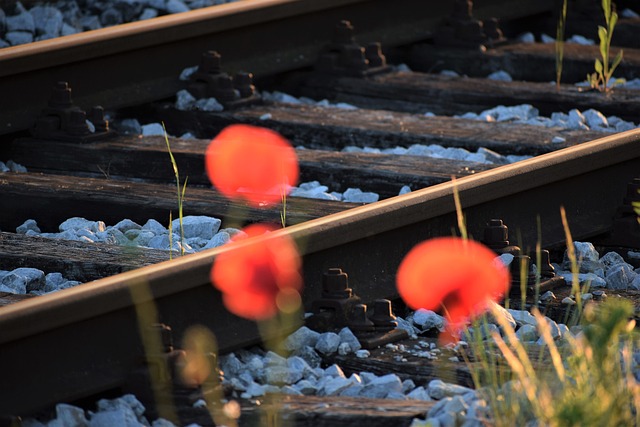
<point>460,275</point>
<point>257,278</point>
<point>253,163</point>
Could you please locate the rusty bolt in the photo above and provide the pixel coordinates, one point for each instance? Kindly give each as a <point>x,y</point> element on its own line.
<point>77,124</point>
<point>492,29</point>
<point>210,62</point>
<point>335,284</point>
<point>373,53</point>
<point>96,116</point>
<point>546,269</point>
<point>359,321</point>
<point>343,33</point>
<point>61,96</point>
<point>243,82</point>
<point>382,316</point>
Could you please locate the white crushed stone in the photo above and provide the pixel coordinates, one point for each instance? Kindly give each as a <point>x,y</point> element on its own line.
<point>58,18</point>
<point>122,411</point>
<point>200,232</point>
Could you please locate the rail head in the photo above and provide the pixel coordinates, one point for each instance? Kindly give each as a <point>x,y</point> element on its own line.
<point>619,152</point>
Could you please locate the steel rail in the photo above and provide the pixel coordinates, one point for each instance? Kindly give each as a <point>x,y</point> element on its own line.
<point>84,340</point>
<point>139,62</point>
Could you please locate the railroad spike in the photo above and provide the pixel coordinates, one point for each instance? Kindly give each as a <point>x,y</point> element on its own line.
<point>343,56</point>
<point>210,81</point>
<point>61,120</point>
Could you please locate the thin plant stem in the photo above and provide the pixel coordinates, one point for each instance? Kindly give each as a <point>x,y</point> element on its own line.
<point>571,254</point>
<point>562,19</point>
<point>462,226</point>
<point>179,191</point>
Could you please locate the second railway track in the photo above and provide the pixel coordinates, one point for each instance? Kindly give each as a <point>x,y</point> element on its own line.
<point>587,173</point>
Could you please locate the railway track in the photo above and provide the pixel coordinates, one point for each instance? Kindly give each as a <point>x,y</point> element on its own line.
<point>368,242</point>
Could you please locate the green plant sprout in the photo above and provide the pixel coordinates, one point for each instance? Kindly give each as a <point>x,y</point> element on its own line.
<point>180,197</point>
<point>562,19</point>
<point>599,80</point>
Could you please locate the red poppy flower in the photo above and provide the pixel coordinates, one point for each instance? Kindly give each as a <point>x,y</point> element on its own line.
<point>459,275</point>
<point>253,163</point>
<point>256,279</point>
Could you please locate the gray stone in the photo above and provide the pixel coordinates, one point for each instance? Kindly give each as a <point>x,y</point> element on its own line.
<point>610,259</point>
<point>197,226</point>
<point>129,126</point>
<point>3,21</point>
<point>15,167</point>
<point>427,320</point>
<point>274,359</point>
<point>438,389</point>
<point>527,333</point>
<point>34,278</point>
<point>334,371</point>
<point>300,367</point>
<point>353,390</point>
<point>22,21</point>
<point>128,402</point>
<point>53,282</point>
<point>585,251</point>
<point>548,297</point>
<point>176,6</point>
<point>438,407</point>
<point>408,385</point>
<point>500,75</point>
<point>254,390</point>
<point>114,418</point>
<point>367,377</point>
<point>16,38</point>
<point>328,343</point>
<point>306,387</point>
<point>77,223</point>
<point>110,17</point>
<point>153,129</point>
<point>184,100</point>
<point>620,276</point>
<point>334,386</point>
<point>356,195</point>
<point>309,355</point>
<point>154,226</point>
<point>148,13</point>
<point>300,338</point>
<point>231,366</point>
<point>635,284</point>
<point>69,415</point>
<point>140,237</point>
<point>523,317</point>
<point>126,225</point>
<point>287,389</point>
<point>494,310</point>
<point>90,23</point>
<point>347,337</point>
<point>283,375</point>
<point>209,104</point>
<point>594,280</point>
<point>576,120</point>
<point>48,20</point>
<point>380,387</point>
<point>29,224</point>
<point>363,354</point>
<point>595,119</point>
<point>13,283</point>
<point>419,393</point>
<point>456,405</point>
<point>112,236</point>
<point>407,326</point>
